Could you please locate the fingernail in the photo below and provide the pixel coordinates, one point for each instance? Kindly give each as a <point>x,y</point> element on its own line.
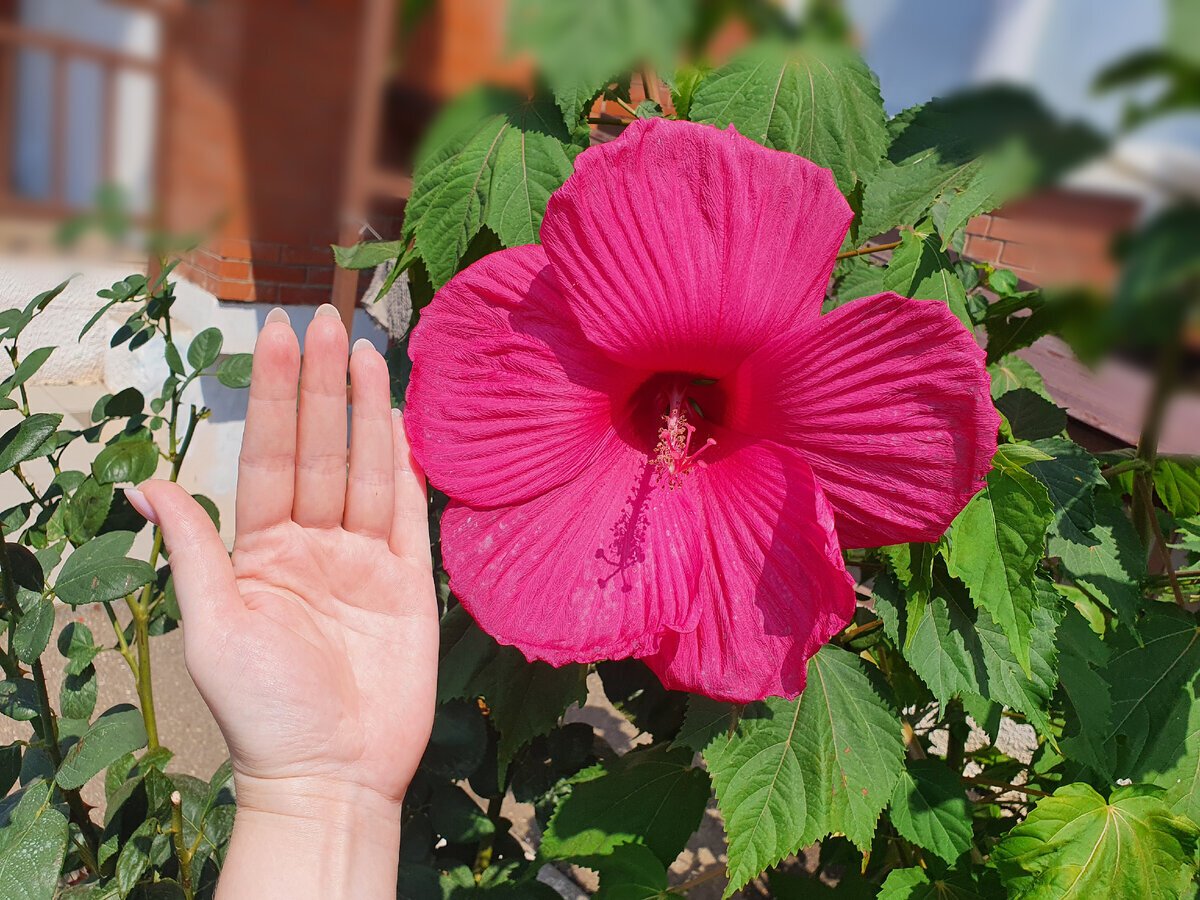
<point>362,344</point>
<point>139,502</point>
<point>397,414</point>
<point>328,309</point>
<point>277,315</point>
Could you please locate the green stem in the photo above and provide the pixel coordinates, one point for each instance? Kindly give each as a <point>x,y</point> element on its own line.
<point>868,248</point>
<point>483,858</point>
<point>1145,518</point>
<point>956,742</point>
<point>703,878</point>
<point>181,851</point>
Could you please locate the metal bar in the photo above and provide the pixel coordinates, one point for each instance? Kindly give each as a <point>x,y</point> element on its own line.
<point>15,35</point>
<point>377,35</point>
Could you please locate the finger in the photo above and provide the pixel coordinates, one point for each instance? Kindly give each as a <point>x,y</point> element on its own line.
<point>410,511</point>
<point>321,444</point>
<point>267,465</point>
<point>369,494</point>
<point>200,567</point>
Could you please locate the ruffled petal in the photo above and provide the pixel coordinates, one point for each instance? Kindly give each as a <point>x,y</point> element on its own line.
<point>773,589</point>
<point>689,246</point>
<point>888,399</point>
<point>595,569</point>
<point>507,399</point>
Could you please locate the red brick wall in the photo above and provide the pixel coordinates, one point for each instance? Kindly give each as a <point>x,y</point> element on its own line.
<point>1056,236</point>
<point>255,142</point>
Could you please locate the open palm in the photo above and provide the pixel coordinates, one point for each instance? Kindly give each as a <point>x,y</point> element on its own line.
<point>315,646</point>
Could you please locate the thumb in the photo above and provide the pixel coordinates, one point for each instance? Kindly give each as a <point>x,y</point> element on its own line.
<point>204,581</point>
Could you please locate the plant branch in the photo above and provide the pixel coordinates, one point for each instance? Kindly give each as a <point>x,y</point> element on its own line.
<point>703,878</point>
<point>1002,787</point>
<point>181,851</point>
<point>625,106</point>
<point>858,630</point>
<point>868,248</point>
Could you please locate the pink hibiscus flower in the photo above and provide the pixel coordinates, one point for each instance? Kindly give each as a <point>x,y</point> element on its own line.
<point>655,444</point>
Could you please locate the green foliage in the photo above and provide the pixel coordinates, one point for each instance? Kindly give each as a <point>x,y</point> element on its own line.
<point>815,99</point>
<point>1074,844</point>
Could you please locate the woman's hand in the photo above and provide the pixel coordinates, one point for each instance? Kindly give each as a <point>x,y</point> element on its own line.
<point>316,645</point>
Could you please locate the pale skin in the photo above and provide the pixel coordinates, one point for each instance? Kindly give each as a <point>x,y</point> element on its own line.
<point>315,645</point>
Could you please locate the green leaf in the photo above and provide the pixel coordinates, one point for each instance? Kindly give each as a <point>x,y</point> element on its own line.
<point>205,348</point>
<point>920,269</point>
<point>75,642</point>
<point>1155,293</point>
<point>1074,844</point>
<point>469,173</point>
<point>1089,701</point>
<point>795,771</point>
<point>959,156</point>
<point>930,808</point>
<point>1177,484</point>
<point>87,509</point>
<point>1144,682</point>
<point>916,884</point>
<point>1172,758</point>
<point>531,162</point>
<point>817,100</point>
<point>1020,455</point>
<point>78,692</point>
<point>32,633</point>
<point>649,796</point>
<point>1071,476</point>
<point>705,720</point>
<point>458,741</point>
<point>19,699</point>
<point>33,846</point>
<point>234,370</point>
<point>1110,563</point>
<point>115,733</point>
<point>29,366</point>
<point>134,858</point>
<point>174,360</point>
<point>996,544</point>
<point>368,254</point>
<point>456,817</point>
<point>639,695</point>
<point>684,82</point>
<point>524,699</point>
<point>1031,416</point>
<point>99,570</point>
<point>26,438</point>
<point>131,460</point>
<point>630,872</point>
<point>581,46</point>
<point>1011,372</point>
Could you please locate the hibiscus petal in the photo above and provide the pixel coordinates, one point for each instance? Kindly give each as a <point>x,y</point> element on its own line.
<point>507,399</point>
<point>689,245</point>
<point>595,569</point>
<point>774,588</point>
<point>888,400</point>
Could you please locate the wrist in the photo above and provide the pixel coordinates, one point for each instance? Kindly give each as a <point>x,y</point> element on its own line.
<point>314,837</point>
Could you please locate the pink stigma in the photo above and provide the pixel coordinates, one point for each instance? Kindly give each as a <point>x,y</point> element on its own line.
<point>672,458</point>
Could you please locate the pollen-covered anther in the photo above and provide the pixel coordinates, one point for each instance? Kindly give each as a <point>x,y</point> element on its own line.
<point>672,458</point>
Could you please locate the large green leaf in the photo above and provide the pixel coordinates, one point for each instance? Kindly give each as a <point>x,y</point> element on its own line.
<point>531,161</point>
<point>930,808</point>
<point>26,438</point>
<point>524,699</point>
<point>960,651</point>
<point>485,139</point>
<point>996,543</point>
<point>111,736</point>
<point>1110,563</point>
<point>25,370</point>
<point>960,156</point>
<point>1145,682</point>
<point>1177,483</point>
<point>648,796</point>
<point>818,100</point>
<point>87,509</point>
<point>1071,477</point>
<point>1011,372</point>
<point>1075,845</point>
<point>630,872</point>
<point>1089,701</point>
<point>33,846</point>
<point>917,884</point>
<point>919,268</point>
<point>204,348</point>
<point>796,771</point>
<point>100,570</point>
<point>583,45</point>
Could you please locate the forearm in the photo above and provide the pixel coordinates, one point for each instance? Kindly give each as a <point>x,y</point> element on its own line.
<point>308,838</point>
